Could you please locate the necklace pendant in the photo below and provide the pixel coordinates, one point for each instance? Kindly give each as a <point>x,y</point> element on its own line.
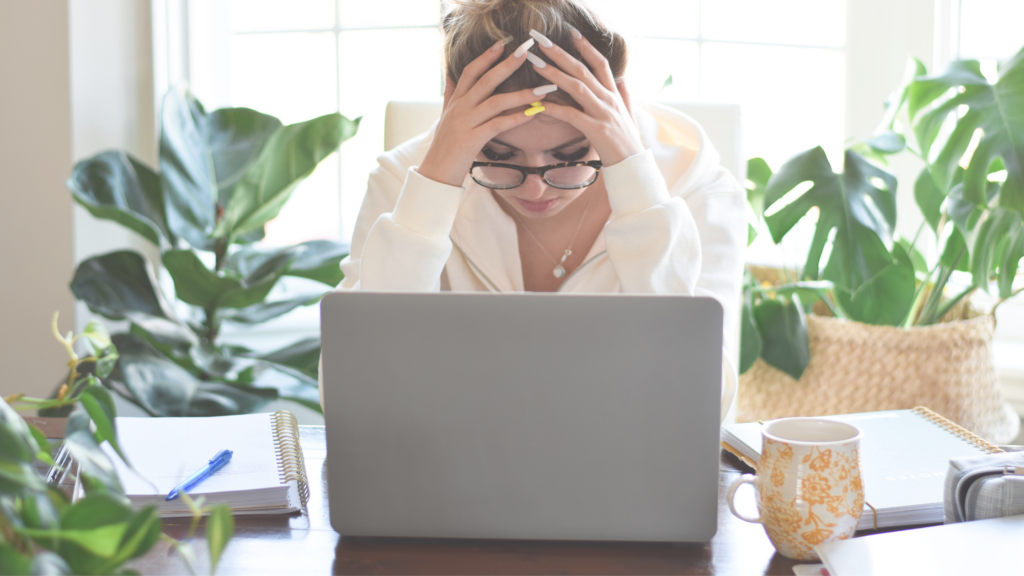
<point>558,271</point>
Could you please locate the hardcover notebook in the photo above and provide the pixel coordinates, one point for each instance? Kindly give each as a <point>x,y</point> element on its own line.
<point>904,455</point>
<point>266,474</point>
<point>981,547</point>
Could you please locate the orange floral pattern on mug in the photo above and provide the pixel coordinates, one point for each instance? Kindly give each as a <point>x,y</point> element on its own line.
<point>807,495</point>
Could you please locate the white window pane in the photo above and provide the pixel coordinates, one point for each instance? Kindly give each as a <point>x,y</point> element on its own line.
<point>991,28</point>
<point>661,18</point>
<point>312,212</point>
<point>389,13</point>
<point>792,98</point>
<point>291,76</point>
<point>802,22</point>
<point>260,15</point>
<point>406,65</point>
<point>652,61</point>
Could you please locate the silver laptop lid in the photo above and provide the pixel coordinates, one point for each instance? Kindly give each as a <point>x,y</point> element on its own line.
<point>537,416</point>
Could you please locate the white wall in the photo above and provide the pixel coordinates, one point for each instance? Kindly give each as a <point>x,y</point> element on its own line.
<point>35,214</point>
<point>112,108</point>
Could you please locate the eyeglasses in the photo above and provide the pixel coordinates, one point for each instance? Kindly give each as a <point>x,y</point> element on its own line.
<point>567,176</point>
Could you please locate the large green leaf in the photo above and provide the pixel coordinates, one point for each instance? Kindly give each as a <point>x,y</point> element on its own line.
<point>122,285</point>
<point>219,527</point>
<point>997,109</point>
<point>860,204</point>
<point>93,461</point>
<point>264,311</point>
<point>114,186</point>
<point>886,295</point>
<point>117,283</point>
<point>12,562</point>
<point>164,388</point>
<point>202,158</point>
<point>319,260</point>
<point>289,157</point>
<point>303,355</point>
<point>198,285</point>
<point>929,199</point>
<point>16,439</point>
<point>100,405</point>
<point>750,337</point>
<point>783,330</point>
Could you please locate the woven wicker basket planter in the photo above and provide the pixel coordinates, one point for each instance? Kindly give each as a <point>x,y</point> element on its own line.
<point>857,367</point>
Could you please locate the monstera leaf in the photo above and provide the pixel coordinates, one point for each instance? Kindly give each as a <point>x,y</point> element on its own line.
<point>859,205</point>
<point>114,186</point>
<point>203,157</point>
<point>996,109</point>
<point>289,157</point>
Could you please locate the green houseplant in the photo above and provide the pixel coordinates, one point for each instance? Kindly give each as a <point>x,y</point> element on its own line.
<point>41,530</point>
<point>969,134</point>
<point>223,175</point>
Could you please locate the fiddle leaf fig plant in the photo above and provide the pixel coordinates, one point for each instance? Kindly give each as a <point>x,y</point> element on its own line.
<point>42,531</point>
<point>969,133</point>
<point>222,176</point>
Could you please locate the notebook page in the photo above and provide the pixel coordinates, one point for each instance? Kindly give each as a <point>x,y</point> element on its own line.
<point>166,451</point>
<point>903,456</point>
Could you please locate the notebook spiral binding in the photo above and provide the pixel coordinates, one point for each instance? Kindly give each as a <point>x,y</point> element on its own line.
<point>957,430</point>
<point>290,463</point>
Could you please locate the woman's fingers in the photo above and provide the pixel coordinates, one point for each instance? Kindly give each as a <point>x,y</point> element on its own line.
<point>499,103</point>
<point>477,68</point>
<point>449,91</point>
<point>624,94</point>
<point>578,89</point>
<point>495,126</point>
<point>577,69</point>
<point>490,80</point>
<point>572,116</point>
<point>596,60</point>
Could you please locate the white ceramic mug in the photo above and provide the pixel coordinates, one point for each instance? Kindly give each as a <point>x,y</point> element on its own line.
<point>808,483</point>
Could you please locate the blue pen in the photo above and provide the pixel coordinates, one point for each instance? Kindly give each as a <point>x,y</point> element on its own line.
<point>216,463</point>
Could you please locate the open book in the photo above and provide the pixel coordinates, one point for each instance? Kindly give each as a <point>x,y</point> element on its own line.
<point>266,474</point>
<point>904,455</point>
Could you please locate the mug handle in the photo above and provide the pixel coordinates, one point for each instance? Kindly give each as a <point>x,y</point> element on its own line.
<point>745,479</point>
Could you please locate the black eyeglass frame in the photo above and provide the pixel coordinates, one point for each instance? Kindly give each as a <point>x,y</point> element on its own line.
<point>539,170</point>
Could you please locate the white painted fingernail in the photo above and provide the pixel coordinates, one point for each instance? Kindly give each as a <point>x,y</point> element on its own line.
<point>541,39</point>
<point>523,48</point>
<point>539,90</point>
<point>575,33</point>
<point>535,60</point>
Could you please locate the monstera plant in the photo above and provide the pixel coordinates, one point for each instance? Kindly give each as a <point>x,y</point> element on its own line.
<point>969,132</point>
<point>222,176</point>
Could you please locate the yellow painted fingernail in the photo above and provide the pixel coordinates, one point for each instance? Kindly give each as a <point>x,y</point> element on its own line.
<point>537,103</point>
<point>534,110</point>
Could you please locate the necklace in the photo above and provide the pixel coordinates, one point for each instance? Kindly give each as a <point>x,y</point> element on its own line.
<point>559,270</point>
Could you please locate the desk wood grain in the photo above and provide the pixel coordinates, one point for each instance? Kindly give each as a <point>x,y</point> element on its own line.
<point>305,544</point>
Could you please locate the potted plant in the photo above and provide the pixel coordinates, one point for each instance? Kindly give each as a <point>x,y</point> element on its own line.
<point>223,175</point>
<point>888,330</point>
<point>41,530</point>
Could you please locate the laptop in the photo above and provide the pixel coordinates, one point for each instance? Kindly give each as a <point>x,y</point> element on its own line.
<point>522,416</point>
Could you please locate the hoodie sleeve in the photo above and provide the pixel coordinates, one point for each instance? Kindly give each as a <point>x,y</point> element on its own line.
<point>662,244</point>
<point>401,241</point>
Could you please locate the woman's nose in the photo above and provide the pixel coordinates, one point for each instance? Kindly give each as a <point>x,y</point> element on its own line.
<point>533,188</point>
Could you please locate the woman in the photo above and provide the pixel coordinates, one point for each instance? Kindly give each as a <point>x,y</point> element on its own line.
<point>580,194</point>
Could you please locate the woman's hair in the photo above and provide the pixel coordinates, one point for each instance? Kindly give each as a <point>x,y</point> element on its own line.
<point>470,27</point>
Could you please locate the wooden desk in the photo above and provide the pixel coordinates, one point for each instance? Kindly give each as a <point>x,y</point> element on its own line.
<point>306,544</point>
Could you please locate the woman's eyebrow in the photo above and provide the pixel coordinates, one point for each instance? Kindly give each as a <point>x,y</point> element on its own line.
<point>559,147</point>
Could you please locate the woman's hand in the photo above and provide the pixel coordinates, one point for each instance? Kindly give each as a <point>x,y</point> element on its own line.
<point>607,117</point>
<point>472,116</point>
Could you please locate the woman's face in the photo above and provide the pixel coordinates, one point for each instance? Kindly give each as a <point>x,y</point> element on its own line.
<point>541,142</point>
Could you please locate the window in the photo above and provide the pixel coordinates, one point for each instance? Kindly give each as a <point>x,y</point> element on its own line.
<point>297,60</point>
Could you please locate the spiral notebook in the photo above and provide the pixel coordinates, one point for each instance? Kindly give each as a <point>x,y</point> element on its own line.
<point>266,475</point>
<point>904,456</point>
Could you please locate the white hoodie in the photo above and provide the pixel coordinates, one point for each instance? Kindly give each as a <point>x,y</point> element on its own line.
<point>678,226</point>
